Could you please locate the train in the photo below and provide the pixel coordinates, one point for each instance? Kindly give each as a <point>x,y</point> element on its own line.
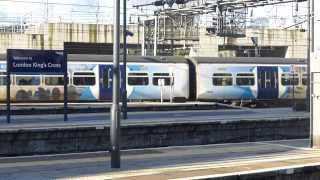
<point>151,78</point>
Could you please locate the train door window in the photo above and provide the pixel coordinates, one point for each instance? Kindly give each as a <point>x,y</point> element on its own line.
<point>304,79</point>
<point>245,79</point>
<point>84,79</point>
<point>138,79</point>
<point>289,79</point>
<point>3,78</point>
<point>107,79</point>
<point>262,80</point>
<point>270,80</point>
<point>222,79</point>
<point>54,80</point>
<point>27,80</point>
<point>168,80</point>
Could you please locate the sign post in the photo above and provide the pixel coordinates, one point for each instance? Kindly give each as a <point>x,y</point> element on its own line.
<point>8,89</point>
<point>36,62</point>
<point>65,87</point>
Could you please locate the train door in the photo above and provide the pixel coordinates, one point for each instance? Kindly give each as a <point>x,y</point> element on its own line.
<point>268,87</point>
<point>105,82</point>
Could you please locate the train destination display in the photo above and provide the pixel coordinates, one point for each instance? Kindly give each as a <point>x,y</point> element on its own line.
<point>35,61</point>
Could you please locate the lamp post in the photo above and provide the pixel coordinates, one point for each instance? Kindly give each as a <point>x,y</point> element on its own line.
<point>115,110</point>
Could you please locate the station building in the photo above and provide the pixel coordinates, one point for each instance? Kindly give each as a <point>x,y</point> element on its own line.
<point>288,43</point>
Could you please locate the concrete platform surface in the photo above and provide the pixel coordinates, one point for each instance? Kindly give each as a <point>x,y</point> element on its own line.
<point>106,104</point>
<point>189,162</point>
<point>98,107</point>
<point>100,120</point>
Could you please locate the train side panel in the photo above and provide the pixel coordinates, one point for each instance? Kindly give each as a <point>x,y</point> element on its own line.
<point>226,81</point>
<point>83,85</point>
<point>143,80</point>
<point>292,81</point>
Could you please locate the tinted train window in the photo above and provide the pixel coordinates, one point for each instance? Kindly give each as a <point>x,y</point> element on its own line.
<point>245,79</point>
<point>289,79</point>
<point>138,79</point>
<point>84,79</point>
<point>54,80</point>
<point>222,79</point>
<point>3,78</point>
<point>27,80</point>
<point>165,76</point>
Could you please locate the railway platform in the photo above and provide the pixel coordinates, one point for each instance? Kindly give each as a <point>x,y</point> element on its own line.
<point>290,159</point>
<point>101,120</point>
<point>101,107</point>
<point>49,134</point>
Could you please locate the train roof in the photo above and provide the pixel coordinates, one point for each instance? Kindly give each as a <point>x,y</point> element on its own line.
<point>181,59</point>
<point>248,60</point>
<point>109,58</point>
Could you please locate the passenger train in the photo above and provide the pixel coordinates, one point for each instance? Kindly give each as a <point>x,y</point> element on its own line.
<point>179,78</point>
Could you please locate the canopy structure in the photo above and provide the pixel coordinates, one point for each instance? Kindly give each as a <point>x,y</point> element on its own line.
<point>229,17</point>
<point>187,7</point>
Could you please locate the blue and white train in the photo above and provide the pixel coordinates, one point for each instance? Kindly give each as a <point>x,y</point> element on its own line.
<point>206,79</point>
<point>250,78</point>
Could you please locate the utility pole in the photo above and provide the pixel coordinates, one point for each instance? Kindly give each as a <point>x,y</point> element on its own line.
<point>296,14</point>
<point>115,110</point>
<point>309,58</point>
<point>155,44</point>
<point>124,81</point>
<point>47,13</point>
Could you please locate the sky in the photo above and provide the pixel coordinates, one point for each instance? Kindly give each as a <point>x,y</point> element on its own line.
<point>100,11</point>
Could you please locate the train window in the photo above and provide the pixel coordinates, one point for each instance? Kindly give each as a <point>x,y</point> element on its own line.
<point>165,76</point>
<point>305,79</point>
<point>222,79</point>
<point>27,80</point>
<point>245,79</point>
<point>289,79</point>
<point>3,78</point>
<point>54,80</point>
<point>138,79</point>
<point>84,79</point>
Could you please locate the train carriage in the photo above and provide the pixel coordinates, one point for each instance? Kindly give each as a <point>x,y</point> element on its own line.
<point>149,78</point>
<point>249,78</point>
<point>143,76</point>
<point>90,79</point>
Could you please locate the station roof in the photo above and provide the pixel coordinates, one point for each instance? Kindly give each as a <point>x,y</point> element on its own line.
<point>210,6</point>
<point>248,60</point>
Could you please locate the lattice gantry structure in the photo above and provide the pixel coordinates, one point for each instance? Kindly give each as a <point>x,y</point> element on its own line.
<point>178,20</point>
